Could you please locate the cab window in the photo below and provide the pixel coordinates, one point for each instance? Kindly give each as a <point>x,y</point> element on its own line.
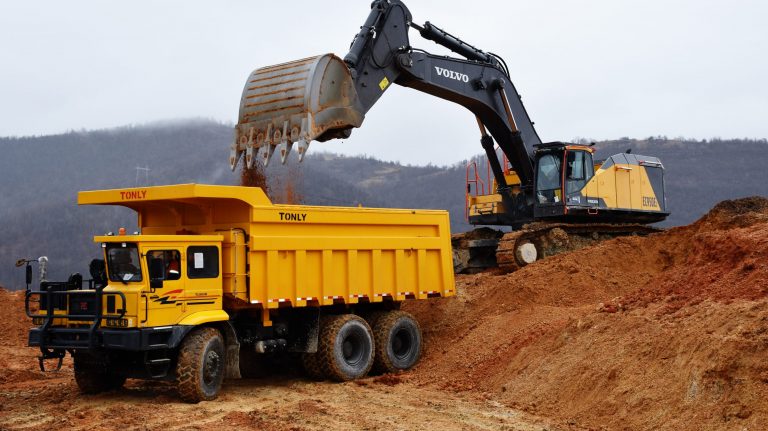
<point>202,262</point>
<point>171,262</point>
<point>578,170</point>
<point>548,177</point>
<point>123,262</point>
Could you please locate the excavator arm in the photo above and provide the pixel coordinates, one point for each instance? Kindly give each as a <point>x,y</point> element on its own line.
<point>322,98</point>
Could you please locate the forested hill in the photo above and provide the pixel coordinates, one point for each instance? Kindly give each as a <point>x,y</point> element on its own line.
<point>40,178</point>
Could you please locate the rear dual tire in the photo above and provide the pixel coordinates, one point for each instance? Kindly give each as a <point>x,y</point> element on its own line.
<point>349,346</point>
<point>398,342</point>
<point>345,348</point>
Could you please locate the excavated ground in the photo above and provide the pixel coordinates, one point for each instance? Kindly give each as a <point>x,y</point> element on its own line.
<point>668,331</point>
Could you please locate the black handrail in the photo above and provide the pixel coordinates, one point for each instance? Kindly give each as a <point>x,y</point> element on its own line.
<point>49,294</point>
<point>81,317</point>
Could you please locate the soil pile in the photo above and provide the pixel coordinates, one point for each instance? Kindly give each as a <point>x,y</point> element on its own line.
<point>666,331</point>
<point>18,363</point>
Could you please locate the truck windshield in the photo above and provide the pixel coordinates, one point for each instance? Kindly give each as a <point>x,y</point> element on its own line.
<point>123,262</point>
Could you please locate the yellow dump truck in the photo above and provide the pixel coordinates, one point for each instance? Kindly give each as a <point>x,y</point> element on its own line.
<point>218,278</point>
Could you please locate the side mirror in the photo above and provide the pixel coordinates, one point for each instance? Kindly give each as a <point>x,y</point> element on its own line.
<point>156,273</point>
<point>29,275</point>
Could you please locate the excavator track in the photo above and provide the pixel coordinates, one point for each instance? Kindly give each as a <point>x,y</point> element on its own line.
<point>475,251</point>
<point>538,241</point>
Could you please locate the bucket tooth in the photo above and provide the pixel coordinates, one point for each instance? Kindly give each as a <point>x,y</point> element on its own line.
<point>234,156</point>
<point>266,153</point>
<point>238,148</point>
<point>301,148</point>
<point>249,153</point>
<point>285,148</point>
<point>273,137</point>
<point>303,143</point>
<point>249,157</point>
<point>285,143</point>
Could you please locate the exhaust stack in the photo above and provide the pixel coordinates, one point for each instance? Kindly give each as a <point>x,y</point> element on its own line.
<point>312,99</point>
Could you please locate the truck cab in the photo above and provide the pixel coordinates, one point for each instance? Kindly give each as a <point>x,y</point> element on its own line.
<point>166,278</point>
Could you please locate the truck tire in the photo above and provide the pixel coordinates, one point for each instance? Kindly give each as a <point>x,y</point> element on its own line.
<point>200,366</point>
<point>397,337</point>
<point>345,348</point>
<point>93,377</point>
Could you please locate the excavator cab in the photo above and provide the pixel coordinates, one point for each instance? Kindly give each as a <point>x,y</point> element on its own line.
<point>562,172</point>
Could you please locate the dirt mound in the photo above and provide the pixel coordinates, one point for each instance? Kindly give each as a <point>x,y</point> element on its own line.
<point>18,363</point>
<point>736,213</point>
<point>665,331</point>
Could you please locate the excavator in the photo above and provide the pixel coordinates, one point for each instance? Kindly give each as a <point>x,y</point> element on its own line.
<point>554,196</point>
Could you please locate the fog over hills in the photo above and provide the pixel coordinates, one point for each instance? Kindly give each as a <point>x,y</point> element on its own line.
<point>40,178</point>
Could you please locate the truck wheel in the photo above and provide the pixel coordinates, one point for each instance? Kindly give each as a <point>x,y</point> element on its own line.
<point>200,367</point>
<point>93,376</point>
<point>397,337</point>
<point>345,348</point>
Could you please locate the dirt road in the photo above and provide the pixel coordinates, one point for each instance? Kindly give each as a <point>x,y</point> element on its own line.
<point>30,399</point>
<point>278,403</point>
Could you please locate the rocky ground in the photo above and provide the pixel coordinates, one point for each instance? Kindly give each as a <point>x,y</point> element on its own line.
<point>668,331</point>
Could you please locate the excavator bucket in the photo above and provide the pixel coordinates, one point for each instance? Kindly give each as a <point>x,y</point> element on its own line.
<point>296,102</point>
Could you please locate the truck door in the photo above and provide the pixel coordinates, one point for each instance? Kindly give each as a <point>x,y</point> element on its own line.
<point>163,305</point>
<point>204,285</point>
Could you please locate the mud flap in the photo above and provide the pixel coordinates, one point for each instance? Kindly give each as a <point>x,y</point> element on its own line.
<point>232,366</point>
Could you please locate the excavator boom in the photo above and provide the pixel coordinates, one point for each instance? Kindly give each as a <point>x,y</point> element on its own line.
<point>322,97</point>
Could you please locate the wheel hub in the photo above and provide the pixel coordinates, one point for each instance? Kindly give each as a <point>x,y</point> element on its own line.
<point>211,367</point>
<point>352,349</point>
<point>401,344</point>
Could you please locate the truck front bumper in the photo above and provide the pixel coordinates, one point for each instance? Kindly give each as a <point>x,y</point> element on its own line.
<point>136,340</point>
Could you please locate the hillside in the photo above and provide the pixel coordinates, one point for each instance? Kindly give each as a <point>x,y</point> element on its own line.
<point>40,177</point>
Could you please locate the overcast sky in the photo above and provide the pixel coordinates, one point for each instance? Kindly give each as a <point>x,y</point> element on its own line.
<point>598,69</point>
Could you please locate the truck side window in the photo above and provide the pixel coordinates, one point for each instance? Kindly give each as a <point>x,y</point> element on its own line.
<point>171,262</point>
<point>202,261</point>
